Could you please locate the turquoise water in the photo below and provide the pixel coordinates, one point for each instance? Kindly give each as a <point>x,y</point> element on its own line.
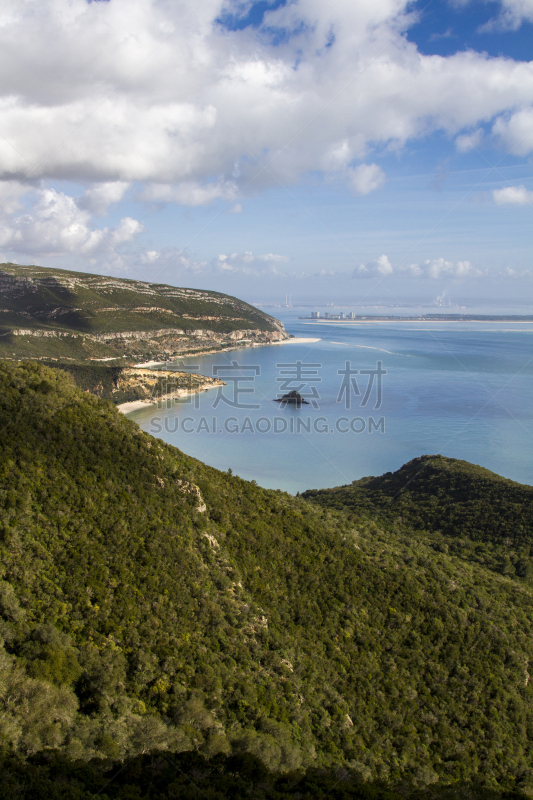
<point>460,389</point>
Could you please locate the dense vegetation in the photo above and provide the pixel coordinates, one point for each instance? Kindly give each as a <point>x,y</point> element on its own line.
<point>134,620</point>
<point>51,313</point>
<point>190,776</point>
<point>120,384</point>
<point>456,506</point>
<point>98,379</point>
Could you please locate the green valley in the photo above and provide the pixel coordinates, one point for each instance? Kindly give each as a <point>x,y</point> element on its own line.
<point>349,643</point>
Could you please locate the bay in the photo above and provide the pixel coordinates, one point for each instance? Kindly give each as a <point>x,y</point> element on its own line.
<point>461,389</point>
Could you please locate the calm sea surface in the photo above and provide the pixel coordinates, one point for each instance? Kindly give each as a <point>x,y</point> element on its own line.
<point>464,390</point>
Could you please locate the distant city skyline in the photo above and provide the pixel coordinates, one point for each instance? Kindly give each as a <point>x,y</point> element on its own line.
<point>354,150</point>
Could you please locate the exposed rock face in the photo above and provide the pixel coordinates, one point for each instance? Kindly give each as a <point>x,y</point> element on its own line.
<point>191,488</point>
<point>57,313</point>
<point>162,386</point>
<point>292,397</point>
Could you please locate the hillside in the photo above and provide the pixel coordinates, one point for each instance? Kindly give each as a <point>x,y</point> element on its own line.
<point>55,313</point>
<point>149,602</point>
<point>457,506</point>
<point>127,384</point>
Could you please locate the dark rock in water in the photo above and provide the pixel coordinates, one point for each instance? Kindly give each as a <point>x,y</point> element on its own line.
<point>292,397</point>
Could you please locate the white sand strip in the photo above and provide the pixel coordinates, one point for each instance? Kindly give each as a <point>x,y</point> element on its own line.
<point>296,340</point>
<point>134,405</point>
<point>125,408</point>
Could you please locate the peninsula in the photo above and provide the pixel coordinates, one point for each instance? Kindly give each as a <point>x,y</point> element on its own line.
<point>53,313</point>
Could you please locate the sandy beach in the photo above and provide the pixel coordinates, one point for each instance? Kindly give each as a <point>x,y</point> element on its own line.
<point>295,340</point>
<point>125,408</point>
<point>135,405</point>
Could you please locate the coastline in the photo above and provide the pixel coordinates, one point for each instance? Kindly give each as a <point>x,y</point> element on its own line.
<point>135,405</point>
<point>293,340</point>
<point>371,320</point>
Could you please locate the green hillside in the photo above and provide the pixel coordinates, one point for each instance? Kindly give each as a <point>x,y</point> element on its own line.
<point>456,506</point>
<point>56,313</point>
<point>151,603</point>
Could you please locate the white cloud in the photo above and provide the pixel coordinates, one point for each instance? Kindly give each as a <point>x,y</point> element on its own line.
<point>100,196</point>
<point>168,264</point>
<point>514,273</point>
<point>236,209</point>
<point>55,225</point>
<point>516,131</point>
<point>365,178</point>
<point>149,257</point>
<point>469,141</point>
<point>413,270</point>
<point>126,230</point>
<point>11,193</point>
<point>513,195</point>
<point>438,268</point>
<point>379,268</point>
<point>189,193</point>
<point>247,263</point>
<point>206,112</point>
<point>272,258</point>
<point>511,16</point>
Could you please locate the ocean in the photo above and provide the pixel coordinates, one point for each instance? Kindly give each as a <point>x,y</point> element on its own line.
<point>379,394</point>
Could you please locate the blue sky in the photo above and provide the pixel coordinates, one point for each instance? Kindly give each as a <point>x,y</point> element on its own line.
<point>359,151</point>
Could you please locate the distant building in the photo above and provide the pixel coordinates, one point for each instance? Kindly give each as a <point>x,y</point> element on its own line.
<point>350,315</point>
<point>315,314</point>
<point>342,315</point>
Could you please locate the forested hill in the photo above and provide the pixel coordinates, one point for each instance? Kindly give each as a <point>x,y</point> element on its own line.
<point>478,514</point>
<point>151,603</point>
<point>63,314</point>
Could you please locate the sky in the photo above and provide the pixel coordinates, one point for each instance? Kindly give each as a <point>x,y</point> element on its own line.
<point>354,151</point>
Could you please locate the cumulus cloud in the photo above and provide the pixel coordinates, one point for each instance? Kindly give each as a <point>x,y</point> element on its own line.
<point>168,264</point>
<point>379,268</point>
<point>197,112</point>
<point>149,257</point>
<point>100,196</point>
<point>55,225</point>
<point>509,272</point>
<point>11,194</point>
<point>511,16</point>
<point>125,231</point>
<point>513,195</point>
<point>365,178</point>
<point>438,268</point>
<point>515,131</point>
<point>247,263</point>
<point>469,141</point>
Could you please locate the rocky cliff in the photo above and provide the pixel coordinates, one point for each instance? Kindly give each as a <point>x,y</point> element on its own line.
<point>63,314</point>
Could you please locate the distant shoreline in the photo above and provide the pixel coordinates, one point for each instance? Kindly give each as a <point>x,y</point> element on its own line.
<point>426,318</point>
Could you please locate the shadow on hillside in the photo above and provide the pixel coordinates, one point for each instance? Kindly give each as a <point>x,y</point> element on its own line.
<point>189,776</point>
<point>41,301</point>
